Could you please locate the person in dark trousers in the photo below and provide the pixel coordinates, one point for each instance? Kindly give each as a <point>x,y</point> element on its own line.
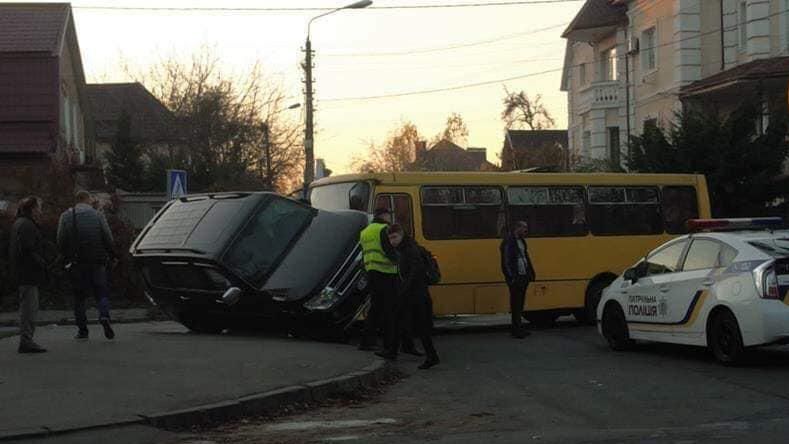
<point>29,268</point>
<point>381,273</point>
<point>417,307</point>
<point>84,238</point>
<point>518,270</point>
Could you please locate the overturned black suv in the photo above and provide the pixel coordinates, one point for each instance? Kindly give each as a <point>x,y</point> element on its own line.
<point>253,260</point>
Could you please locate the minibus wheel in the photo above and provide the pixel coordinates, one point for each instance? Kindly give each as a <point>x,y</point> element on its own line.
<point>593,295</point>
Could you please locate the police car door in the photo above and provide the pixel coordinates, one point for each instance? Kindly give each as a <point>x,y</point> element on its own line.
<point>644,311</point>
<point>691,290</point>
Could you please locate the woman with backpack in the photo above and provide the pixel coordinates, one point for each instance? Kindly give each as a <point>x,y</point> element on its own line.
<point>417,308</point>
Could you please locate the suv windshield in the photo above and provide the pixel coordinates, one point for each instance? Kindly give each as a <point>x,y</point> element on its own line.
<point>266,238</point>
<point>341,196</point>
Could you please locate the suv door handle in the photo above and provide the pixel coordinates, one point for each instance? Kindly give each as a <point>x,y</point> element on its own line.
<point>664,289</point>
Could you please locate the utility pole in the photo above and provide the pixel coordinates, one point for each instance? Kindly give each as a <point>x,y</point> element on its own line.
<point>309,141</point>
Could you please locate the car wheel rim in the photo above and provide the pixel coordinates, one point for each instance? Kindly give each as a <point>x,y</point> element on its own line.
<point>726,340</point>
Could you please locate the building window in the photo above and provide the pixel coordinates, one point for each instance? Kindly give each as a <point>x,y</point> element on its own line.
<point>608,65</point>
<point>613,146</point>
<point>648,49</point>
<point>582,73</point>
<point>743,25</point>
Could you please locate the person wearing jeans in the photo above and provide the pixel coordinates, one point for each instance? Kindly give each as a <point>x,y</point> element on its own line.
<point>28,268</point>
<point>518,270</point>
<point>84,238</point>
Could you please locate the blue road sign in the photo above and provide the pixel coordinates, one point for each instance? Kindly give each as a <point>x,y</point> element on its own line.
<point>176,184</point>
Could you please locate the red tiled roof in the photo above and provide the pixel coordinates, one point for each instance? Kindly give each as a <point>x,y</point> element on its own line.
<point>774,67</point>
<point>597,14</point>
<point>151,121</point>
<point>32,27</point>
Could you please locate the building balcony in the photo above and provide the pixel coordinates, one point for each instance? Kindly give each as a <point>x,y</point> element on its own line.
<point>600,95</point>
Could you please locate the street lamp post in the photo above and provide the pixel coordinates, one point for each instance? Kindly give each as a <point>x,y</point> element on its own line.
<point>267,146</point>
<point>309,141</point>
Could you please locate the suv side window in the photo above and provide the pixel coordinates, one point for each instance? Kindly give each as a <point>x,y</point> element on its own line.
<point>665,260</point>
<point>705,254</point>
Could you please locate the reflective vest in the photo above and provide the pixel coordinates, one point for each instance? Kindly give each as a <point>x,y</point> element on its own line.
<point>374,257</point>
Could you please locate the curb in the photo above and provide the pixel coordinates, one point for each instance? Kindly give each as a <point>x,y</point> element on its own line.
<point>269,402</point>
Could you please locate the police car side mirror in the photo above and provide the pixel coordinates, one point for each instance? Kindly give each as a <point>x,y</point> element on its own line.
<point>631,275</point>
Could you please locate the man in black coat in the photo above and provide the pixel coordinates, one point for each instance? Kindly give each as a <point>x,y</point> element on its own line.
<point>29,268</point>
<point>518,270</point>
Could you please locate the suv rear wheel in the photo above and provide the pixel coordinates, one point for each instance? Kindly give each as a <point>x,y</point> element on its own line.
<point>201,324</point>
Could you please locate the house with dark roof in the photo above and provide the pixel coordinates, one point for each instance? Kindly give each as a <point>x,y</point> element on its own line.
<point>447,156</point>
<point>542,149</point>
<point>43,105</point>
<point>151,123</point>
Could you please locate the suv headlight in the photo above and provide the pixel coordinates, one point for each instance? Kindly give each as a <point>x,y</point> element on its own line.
<point>323,301</point>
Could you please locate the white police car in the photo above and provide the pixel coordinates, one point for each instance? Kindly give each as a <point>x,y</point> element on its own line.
<point>725,286</point>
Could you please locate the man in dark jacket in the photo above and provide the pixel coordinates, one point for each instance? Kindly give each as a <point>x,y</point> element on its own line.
<point>84,238</point>
<point>416,306</point>
<point>28,266</point>
<point>518,270</point>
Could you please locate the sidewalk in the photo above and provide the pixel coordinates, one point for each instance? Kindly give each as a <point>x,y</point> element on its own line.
<point>158,373</point>
<point>66,317</point>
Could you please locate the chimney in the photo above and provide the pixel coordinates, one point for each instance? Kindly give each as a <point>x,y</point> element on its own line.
<point>421,149</point>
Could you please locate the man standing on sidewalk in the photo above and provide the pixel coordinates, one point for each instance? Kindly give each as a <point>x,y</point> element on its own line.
<point>84,238</point>
<point>382,275</point>
<point>29,268</point>
<point>518,270</point>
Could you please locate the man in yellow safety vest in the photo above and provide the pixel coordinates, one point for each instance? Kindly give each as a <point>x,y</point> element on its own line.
<point>382,275</point>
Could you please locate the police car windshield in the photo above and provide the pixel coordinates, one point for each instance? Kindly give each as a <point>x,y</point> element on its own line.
<point>778,247</point>
<point>267,237</point>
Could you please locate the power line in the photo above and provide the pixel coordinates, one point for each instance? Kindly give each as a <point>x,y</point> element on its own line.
<point>491,82</point>
<point>314,9</point>
<point>446,48</point>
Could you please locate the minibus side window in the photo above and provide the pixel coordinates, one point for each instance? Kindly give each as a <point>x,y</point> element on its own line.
<point>400,206</point>
<point>679,205</point>
<point>549,211</point>
<point>624,210</point>
<point>470,212</point>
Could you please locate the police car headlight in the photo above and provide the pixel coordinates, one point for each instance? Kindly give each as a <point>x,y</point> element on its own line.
<point>323,301</point>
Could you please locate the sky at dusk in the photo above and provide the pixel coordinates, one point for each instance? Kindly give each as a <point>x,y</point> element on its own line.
<point>359,54</point>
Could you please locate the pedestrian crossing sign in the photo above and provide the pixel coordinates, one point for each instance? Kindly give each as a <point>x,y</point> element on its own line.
<point>176,184</point>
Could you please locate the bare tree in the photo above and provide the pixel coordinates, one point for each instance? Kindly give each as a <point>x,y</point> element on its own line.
<point>226,127</point>
<point>455,131</point>
<point>396,154</point>
<point>522,112</point>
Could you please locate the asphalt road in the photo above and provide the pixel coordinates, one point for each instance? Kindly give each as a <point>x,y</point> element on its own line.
<point>559,385</point>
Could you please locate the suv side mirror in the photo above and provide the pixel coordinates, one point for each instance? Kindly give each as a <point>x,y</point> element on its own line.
<point>231,296</point>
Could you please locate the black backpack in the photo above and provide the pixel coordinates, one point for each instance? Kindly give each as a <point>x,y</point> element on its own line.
<point>432,271</point>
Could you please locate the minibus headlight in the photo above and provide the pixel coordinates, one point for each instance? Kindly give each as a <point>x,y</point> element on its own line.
<point>323,301</point>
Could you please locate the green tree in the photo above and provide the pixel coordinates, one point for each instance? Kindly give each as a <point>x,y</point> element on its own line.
<point>739,161</point>
<point>125,164</point>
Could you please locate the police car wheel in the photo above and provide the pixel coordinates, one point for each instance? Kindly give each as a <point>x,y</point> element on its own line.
<point>593,295</point>
<point>724,338</point>
<point>615,328</point>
